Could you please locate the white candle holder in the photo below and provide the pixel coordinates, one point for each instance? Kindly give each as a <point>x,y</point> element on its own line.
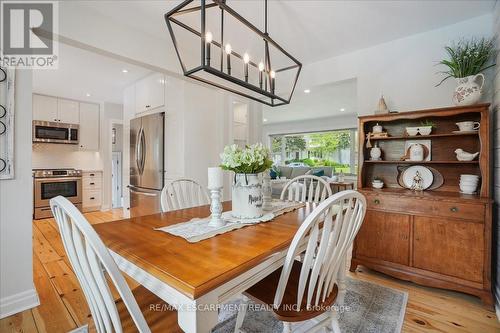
<point>216,208</point>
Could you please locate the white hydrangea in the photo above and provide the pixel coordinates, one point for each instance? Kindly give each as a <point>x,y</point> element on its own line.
<point>245,160</point>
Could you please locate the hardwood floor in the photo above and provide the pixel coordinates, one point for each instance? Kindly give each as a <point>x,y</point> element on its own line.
<point>63,306</point>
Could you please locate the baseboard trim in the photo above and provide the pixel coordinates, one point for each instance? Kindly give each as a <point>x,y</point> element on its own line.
<point>19,302</point>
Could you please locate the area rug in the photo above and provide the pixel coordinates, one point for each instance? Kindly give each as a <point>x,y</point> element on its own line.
<point>369,308</point>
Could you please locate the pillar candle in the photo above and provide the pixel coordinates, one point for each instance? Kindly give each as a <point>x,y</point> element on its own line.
<point>215,179</point>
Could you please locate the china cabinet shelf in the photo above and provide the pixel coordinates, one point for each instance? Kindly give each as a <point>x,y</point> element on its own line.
<point>418,137</point>
<point>422,162</point>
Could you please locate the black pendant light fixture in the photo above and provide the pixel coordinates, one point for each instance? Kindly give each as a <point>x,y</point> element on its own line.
<point>233,53</point>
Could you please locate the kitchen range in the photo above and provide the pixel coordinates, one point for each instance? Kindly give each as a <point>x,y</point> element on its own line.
<point>49,183</point>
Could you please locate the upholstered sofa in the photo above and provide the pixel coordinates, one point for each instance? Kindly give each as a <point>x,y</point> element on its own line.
<point>292,172</point>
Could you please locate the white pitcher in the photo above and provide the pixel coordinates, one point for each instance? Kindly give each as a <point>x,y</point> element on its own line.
<point>247,196</point>
<point>468,91</point>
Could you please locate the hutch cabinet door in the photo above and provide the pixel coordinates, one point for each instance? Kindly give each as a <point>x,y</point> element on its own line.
<point>384,236</point>
<point>449,247</point>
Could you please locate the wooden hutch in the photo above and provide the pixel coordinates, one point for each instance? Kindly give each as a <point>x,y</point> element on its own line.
<point>439,238</point>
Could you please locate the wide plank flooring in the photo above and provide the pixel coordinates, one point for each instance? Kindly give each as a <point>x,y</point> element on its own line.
<point>63,306</point>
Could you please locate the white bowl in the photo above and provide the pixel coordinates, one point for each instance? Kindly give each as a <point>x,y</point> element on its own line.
<point>426,130</point>
<point>468,182</point>
<point>377,185</point>
<point>412,131</point>
<point>469,176</point>
<point>468,188</point>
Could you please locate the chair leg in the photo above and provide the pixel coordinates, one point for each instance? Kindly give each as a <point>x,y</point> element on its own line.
<point>287,327</point>
<point>242,310</point>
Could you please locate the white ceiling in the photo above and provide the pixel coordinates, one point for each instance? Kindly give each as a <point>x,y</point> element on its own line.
<point>309,30</point>
<point>313,30</point>
<point>81,72</point>
<point>323,101</point>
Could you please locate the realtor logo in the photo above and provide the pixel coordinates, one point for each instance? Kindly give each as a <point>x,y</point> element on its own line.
<point>28,37</point>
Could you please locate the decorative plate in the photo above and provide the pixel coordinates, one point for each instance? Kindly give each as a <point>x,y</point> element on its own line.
<point>424,172</point>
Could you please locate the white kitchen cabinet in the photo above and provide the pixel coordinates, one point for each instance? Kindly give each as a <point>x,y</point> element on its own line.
<point>89,126</point>
<point>92,191</point>
<point>44,108</point>
<point>150,93</point>
<point>68,111</point>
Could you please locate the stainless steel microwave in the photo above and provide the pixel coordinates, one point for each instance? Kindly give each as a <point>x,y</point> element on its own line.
<point>53,132</point>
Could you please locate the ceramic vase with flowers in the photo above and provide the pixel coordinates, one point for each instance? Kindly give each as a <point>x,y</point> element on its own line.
<point>247,164</point>
<point>468,59</point>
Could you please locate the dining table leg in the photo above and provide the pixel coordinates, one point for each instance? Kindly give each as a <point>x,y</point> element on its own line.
<point>198,316</point>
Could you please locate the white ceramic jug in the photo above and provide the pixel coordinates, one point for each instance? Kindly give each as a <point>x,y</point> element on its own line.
<point>468,91</point>
<point>416,152</point>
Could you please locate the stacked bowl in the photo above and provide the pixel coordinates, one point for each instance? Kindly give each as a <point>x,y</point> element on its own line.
<point>468,183</point>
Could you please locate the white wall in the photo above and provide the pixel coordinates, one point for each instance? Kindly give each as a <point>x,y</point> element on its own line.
<point>17,292</point>
<point>311,125</point>
<point>47,156</point>
<point>404,70</point>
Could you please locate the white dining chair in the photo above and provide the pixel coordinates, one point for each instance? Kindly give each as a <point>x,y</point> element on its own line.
<point>301,291</point>
<point>306,188</point>
<point>90,259</point>
<point>183,193</point>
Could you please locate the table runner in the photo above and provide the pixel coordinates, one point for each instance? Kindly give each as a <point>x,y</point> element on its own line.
<point>198,229</point>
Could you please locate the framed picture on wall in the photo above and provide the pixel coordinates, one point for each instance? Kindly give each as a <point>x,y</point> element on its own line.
<point>7,108</point>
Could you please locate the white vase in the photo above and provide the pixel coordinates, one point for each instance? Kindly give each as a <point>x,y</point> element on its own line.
<point>375,153</point>
<point>247,196</point>
<point>468,91</point>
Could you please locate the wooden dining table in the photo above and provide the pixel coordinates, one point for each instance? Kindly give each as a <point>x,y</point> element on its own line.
<point>196,277</point>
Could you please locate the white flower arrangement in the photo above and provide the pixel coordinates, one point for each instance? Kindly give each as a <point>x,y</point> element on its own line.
<point>251,159</point>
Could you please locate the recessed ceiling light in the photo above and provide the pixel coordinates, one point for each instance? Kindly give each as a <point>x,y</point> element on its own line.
<point>307,91</point>
<point>264,119</point>
<point>124,70</point>
<point>87,94</point>
<point>342,110</point>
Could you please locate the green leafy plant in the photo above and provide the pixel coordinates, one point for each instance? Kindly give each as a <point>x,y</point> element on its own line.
<point>468,57</point>
<point>251,159</point>
<point>428,123</point>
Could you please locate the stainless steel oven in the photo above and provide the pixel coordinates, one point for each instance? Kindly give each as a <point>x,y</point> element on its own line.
<point>53,132</point>
<point>51,183</point>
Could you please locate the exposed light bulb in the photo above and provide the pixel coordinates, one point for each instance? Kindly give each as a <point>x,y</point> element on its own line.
<point>246,58</point>
<point>273,74</point>
<point>265,119</point>
<point>228,49</point>
<point>261,66</point>
<point>124,70</point>
<point>87,94</point>
<point>208,37</point>
<point>342,110</point>
<point>307,91</point>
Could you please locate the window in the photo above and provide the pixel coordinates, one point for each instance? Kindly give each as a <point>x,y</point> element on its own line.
<point>338,149</point>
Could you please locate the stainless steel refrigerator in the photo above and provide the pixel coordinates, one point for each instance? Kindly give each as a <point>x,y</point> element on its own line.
<point>146,164</point>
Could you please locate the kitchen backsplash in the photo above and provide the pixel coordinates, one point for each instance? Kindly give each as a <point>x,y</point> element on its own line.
<point>64,156</point>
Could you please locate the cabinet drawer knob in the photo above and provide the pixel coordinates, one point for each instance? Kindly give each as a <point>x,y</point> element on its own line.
<point>92,198</point>
<point>376,201</point>
<point>454,209</point>
<point>92,175</point>
<point>92,183</point>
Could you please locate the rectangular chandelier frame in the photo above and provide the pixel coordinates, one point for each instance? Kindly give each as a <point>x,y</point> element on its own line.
<point>275,100</point>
